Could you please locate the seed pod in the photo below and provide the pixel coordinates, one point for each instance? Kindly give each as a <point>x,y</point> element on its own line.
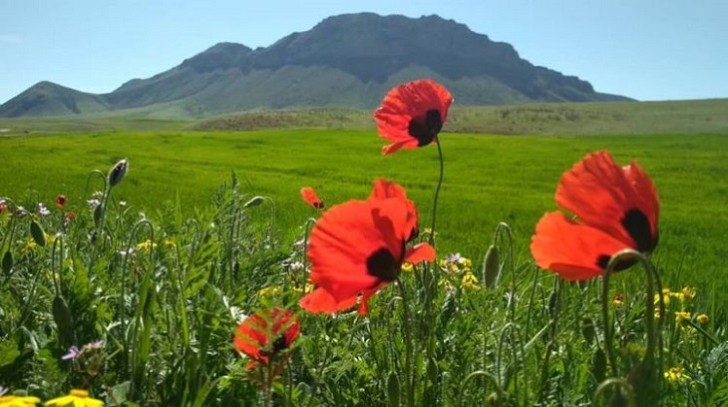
<point>553,302</point>
<point>36,231</point>
<point>118,172</point>
<point>588,330</point>
<point>393,389</point>
<point>64,321</point>
<point>7,263</point>
<point>98,214</point>
<point>432,371</point>
<point>599,365</point>
<point>491,267</point>
<point>254,201</point>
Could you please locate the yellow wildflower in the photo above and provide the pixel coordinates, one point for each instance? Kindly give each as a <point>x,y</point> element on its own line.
<point>470,281</point>
<point>682,317</point>
<point>665,298</point>
<point>618,300</point>
<point>702,319</point>
<point>76,398</point>
<point>688,293</point>
<point>456,264</point>
<point>30,245</point>
<point>270,291</point>
<point>18,401</point>
<point>676,375</point>
<point>146,246</point>
<point>445,283</point>
<point>407,267</point>
<point>169,244</point>
<point>306,289</point>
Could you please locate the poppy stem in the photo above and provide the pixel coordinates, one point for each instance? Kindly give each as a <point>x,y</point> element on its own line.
<point>409,354</point>
<point>652,289</point>
<point>437,192</point>
<point>608,348</point>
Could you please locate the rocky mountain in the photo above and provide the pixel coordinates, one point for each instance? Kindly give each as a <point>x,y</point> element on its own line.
<point>344,61</point>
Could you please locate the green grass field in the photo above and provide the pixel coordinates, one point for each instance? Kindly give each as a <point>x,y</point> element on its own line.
<point>488,179</point>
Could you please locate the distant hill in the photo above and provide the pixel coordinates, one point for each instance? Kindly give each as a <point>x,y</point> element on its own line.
<point>50,99</point>
<point>346,61</point>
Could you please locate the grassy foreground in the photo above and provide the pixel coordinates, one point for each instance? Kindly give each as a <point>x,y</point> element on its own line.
<point>167,314</point>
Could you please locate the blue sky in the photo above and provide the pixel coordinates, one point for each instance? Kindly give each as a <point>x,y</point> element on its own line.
<point>649,50</point>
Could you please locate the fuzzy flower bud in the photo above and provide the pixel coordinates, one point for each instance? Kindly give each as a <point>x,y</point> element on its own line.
<point>118,172</point>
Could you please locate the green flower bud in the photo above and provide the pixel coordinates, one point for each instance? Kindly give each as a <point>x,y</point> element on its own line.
<point>254,201</point>
<point>36,231</point>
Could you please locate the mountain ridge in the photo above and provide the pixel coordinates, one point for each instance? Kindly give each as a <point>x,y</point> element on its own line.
<point>347,61</point>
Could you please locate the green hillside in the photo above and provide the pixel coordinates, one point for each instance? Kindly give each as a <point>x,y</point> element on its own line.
<point>672,117</point>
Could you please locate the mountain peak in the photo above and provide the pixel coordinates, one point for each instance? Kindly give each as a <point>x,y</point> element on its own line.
<point>349,61</point>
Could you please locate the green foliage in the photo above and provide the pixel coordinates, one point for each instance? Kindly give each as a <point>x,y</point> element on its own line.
<point>164,279</point>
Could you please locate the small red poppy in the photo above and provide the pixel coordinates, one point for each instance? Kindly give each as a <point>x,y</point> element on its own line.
<point>311,198</point>
<point>69,216</point>
<point>358,247</point>
<point>614,208</point>
<point>264,334</point>
<point>61,201</point>
<point>411,115</point>
<point>3,207</point>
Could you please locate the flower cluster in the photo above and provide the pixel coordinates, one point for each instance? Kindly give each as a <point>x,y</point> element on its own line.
<point>75,398</point>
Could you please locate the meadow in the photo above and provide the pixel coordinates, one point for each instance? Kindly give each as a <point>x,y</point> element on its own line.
<point>488,179</point>
<point>168,330</point>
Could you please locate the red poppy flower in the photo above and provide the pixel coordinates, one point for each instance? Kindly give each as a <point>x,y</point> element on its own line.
<point>358,247</point>
<point>264,334</point>
<point>412,114</point>
<point>614,208</point>
<point>384,189</point>
<point>311,198</point>
<point>69,216</point>
<point>61,201</point>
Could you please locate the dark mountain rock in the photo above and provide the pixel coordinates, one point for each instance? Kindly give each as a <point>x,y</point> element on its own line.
<point>347,61</point>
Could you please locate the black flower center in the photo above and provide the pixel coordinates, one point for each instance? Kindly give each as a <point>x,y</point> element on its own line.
<point>638,228</point>
<point>278,345</point>
<point>637,225</point>
<point>382,265</point>
<point>622,264</point>
<point>426,131</point>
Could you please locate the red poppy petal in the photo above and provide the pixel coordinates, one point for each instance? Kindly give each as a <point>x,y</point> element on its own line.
<point>366,294</point>
<point>394,147</point>
<point>620,201</point>
<point>574,251</point>
<point>384,189</point>
<point>647,198</point>
<point>249,337</point>
<point>419,253</point>
<point>310,197</point>
<point>321,301</point>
